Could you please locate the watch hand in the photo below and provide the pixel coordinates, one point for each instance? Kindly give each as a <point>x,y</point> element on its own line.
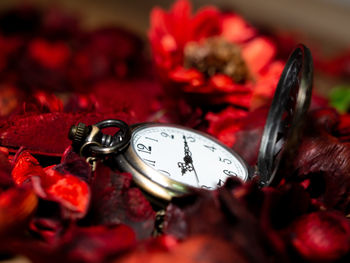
<point>188,161</point>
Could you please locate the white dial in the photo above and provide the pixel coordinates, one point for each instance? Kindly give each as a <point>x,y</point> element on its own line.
<point>187,156</point>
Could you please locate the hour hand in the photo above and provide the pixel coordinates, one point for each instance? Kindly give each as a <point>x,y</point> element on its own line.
<point>187,165</point>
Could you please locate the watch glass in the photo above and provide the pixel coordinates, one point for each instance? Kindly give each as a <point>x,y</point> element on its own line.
<point>187,156</point>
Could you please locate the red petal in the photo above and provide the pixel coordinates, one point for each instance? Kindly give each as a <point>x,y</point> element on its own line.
<point>258,53</point>
<point>51,55</point>
<point>138,206</point>
<point>224,83</point>
<point>49,230</point>
<point>180,20</point>
<point>191,76</point>
<point>236,29</point>
<point>321,236</point>
<point>71,192</point>
<point>25,166</point>
<point>94,244</point>
<point>343,129</point>
<point>266,84</point>
<point>225,124</point>
<point>16,206</point>
<point>114,201</point>
<point>205,23</point>
<point>5,170</point>
<point>10,99</point>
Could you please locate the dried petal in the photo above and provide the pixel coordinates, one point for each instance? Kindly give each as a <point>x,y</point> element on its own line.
<point>114,201</point>
<point>321,236</point>
<point>49,230</point>
<point>49,135</point>
<point>326,160</point>
<point>5,171</point>
<point>72,193</point>
<point>50,55</point>
<point>25,166</point>
<point>16,207</point>
<point>199,249</point>
<point>225,124</point>
<point>54,183</point>
<point>95,244</point>
<point>226,218</point>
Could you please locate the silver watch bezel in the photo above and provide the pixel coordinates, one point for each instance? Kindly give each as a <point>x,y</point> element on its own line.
<point>154,182</point>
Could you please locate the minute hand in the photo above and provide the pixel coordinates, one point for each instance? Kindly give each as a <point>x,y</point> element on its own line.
<point>188,165</point>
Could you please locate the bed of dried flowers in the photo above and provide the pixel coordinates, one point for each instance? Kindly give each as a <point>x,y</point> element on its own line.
<point>211,71</point>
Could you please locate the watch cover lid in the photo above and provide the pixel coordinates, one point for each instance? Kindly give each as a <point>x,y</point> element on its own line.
<point>285,119</point>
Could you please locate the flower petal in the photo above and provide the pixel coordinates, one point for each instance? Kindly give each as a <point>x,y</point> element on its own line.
<point>258,53</point>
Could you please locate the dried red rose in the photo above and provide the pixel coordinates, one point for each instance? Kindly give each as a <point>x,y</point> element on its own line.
<point>321,236</point>
<point>193,55</point>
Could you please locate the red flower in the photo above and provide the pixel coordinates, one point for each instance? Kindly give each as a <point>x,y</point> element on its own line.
<point>214,54</point>
<point>321,236</point>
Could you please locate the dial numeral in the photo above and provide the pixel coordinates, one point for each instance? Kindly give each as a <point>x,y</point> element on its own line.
<point>212,148</point>
<point>229,173</point>
<point>164,172</point>
<point>151,139</point>
<point>142,148</point>
<point>206,187</point>
<point>227,161</point>
<point>150,162</point>
<point>190,139</point>
<point>166,135</point>
<point>220,183</point>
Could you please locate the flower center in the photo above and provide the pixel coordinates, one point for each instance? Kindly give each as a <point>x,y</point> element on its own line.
<point>216,55</point>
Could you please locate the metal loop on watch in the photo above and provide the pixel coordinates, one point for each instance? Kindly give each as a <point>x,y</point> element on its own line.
<point>115,143</point>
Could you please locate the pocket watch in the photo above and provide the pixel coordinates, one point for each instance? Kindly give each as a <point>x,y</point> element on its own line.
<point>169,160</point>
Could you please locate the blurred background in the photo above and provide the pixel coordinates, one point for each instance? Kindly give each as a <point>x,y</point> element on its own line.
<point>324,21</point>
<point>323,25</point>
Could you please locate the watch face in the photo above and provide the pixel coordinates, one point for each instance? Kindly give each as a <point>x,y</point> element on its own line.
<point>186,156</point>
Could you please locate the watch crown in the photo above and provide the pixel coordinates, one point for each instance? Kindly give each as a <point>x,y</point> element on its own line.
<point>77,133</point>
